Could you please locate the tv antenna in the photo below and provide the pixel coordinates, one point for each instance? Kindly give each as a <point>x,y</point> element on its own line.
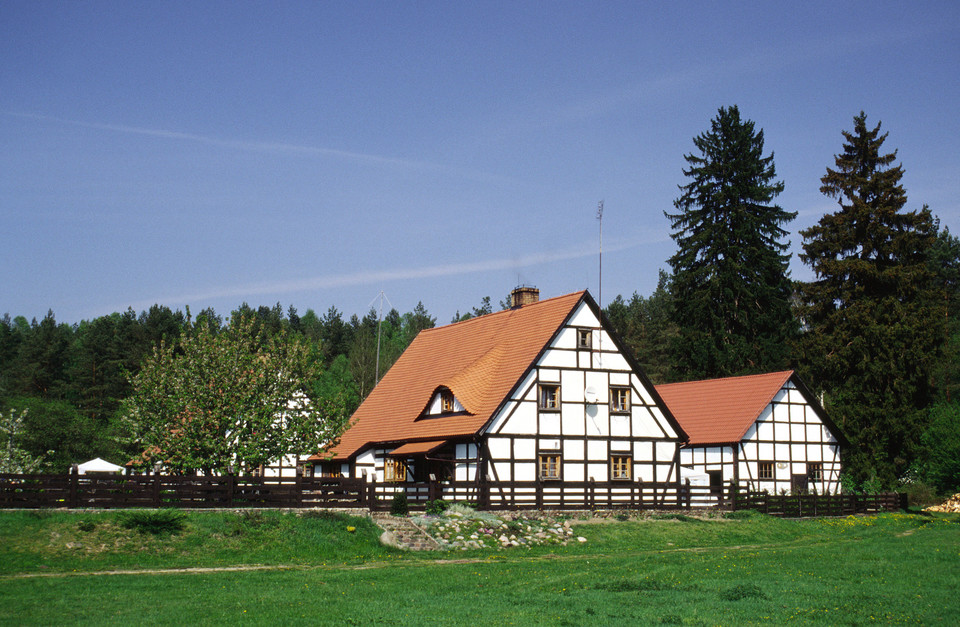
<point>600,278</point>
<point>382,297</point>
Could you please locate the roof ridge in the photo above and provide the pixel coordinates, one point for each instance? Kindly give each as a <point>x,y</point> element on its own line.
<point>505,311</point>
<point>786,373</point>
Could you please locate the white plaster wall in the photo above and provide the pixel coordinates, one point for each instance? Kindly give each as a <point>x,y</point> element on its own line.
<point>559,359</point>
<point>550,423</point>
<point>572,386</point>
<point>574,450</point>
<point>525,448</point>
<point>583,317</point>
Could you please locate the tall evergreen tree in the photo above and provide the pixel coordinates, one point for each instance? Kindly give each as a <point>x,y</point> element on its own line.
<point>646,328</point>
<point>874,314</point>
<point>731,284</point>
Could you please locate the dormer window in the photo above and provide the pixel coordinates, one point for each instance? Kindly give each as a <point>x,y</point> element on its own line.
<point>584,338</point>
<point>446,401</point>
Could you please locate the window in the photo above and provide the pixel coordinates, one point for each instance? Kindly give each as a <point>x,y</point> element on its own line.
<point>765,470</point>
<point>815,471</point>
<point>550,465</point>
<point>619,399</point>
<point>620,466</point>
<point>583,338</point>
<point>549,397</point>
<point>446,401</point>
<point>394,470</point>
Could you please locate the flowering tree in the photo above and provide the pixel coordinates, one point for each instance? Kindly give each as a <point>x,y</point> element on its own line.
<point>13,459</point>
<point>232,398</point>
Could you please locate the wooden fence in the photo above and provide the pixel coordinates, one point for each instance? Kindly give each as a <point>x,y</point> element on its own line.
<point>811,505</point>
<point>154,491</point>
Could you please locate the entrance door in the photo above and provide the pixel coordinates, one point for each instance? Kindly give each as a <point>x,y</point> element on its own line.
<point>798,484</point>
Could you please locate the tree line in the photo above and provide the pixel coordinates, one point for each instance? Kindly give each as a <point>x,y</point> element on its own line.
<point>63,386</point>
<point>874,334</point>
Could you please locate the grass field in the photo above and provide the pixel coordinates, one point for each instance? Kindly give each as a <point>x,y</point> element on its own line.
<point>886,569</point>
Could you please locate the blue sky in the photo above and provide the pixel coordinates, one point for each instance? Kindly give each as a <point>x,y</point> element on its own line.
<point>314,154</point>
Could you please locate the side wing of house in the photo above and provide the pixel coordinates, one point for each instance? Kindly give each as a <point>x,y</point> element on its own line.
<point>790,448</point>
<point>581,413</point>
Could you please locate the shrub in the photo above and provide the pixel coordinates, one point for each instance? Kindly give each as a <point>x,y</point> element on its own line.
<point>155,522</point>
<point>436,507</point>
<point>742,514</point>
<point>86,525</point>
<point>680,517</point>
<point>743,591</point>
<point>399,506</point>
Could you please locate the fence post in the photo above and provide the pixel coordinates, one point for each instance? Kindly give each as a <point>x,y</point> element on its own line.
<point>299,484</point>
<point>156,490</point>
<point>74,486</point>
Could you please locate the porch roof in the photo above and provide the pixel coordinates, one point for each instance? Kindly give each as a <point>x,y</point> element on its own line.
<point>416,448</point>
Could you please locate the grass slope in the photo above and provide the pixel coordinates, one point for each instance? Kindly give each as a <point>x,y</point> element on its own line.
<point>887,569</point>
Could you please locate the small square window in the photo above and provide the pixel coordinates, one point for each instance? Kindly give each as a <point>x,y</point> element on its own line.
<point>549,397</point>
<point>815,471</point>
<point>620,466</point>
<point>765,470</point>
<point>584,337</point>
<point>550,465</point>
<point>394,470</point>
<point>619,400</point>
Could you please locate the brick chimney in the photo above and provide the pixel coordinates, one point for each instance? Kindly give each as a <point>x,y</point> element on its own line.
<point>523,295</point>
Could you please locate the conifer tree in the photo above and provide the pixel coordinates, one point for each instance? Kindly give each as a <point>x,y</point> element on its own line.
<point>731,286</point>
<point>874,314</point>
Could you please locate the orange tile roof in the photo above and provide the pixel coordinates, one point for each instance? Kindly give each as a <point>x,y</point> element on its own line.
<point>719,411</point>
<point>480,360</point>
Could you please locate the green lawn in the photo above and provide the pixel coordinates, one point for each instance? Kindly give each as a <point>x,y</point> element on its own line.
<point>888,569</point>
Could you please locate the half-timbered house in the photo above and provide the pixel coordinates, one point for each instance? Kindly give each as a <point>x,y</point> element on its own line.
<point>761,432</point>
<point>529,400</point>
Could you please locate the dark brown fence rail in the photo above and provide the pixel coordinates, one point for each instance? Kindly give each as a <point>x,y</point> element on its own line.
<point>112,491</point>
<point>117,491</point>
<point>808,505</point>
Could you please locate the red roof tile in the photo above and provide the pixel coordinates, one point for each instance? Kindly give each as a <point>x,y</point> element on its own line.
<point>719,411</point>
<point>479,360</point>
<point>414,448</point>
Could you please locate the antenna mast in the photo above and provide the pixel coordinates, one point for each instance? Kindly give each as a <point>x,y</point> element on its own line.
<point>376,371</point>
<point>600,279</point>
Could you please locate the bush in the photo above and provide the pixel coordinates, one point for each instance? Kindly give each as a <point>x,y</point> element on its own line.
<point>399,507</point>
<point>436,507</point>
<point>154,522</point>
<point>941,443</point>
<point>744,591</point>
<point>742,514</point>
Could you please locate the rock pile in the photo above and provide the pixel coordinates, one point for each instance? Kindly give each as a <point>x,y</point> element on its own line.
<point>952,505</point>
<point>464,529</point>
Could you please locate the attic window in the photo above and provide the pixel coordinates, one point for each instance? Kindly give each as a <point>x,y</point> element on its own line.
<point>619,400</point>
<point>446,401</point>
<point>584,337</point>
<point>549,397</point>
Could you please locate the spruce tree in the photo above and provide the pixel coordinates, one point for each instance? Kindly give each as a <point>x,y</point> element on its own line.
<point>874,314</point>
<point>731,286</point>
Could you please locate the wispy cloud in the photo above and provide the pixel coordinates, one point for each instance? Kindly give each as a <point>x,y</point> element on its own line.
<point>354,279</point>
<point>263,147</point>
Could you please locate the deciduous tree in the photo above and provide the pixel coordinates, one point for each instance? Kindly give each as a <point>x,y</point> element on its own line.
<point>230,399</point>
